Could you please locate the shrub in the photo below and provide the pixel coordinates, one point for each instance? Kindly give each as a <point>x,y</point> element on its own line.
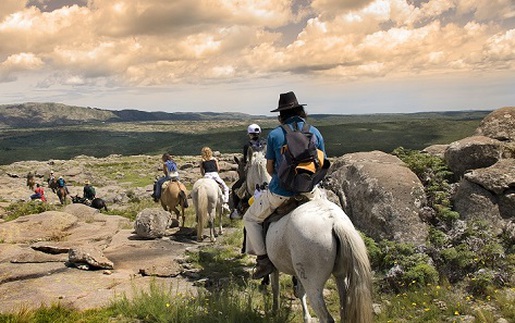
<point>17,209</point>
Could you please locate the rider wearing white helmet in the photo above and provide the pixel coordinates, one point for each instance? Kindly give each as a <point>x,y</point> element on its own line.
<point>254,132</point>
<point>256,143</point>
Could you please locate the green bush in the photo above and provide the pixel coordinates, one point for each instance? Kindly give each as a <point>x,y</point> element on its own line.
<point>17,209</point>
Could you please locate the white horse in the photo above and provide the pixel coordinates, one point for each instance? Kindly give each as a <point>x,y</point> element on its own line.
<point>312,242</point>
<point>207,199</point>
<point>255,175</point>
<point>256,170</point>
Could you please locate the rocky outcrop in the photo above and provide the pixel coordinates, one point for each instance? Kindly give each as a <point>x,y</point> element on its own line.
<point>152,223</point>
<point>381,195</point>
<point>472,153</point>
<point>38,267</point>
<point>499,124</point>
<point>487,190</point>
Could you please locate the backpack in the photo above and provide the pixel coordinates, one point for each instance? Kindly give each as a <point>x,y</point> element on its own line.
<point>302,165</point>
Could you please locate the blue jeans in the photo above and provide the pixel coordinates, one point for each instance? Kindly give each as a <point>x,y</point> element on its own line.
<point>159,184</point>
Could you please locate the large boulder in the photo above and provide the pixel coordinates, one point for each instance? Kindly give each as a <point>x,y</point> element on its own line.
<point>152,223</point>
<point>488,193</point>
<point>499,124</point>
<point>472,153</point>
<point>381,195</point>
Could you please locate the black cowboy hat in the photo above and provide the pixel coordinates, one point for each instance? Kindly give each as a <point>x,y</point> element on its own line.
<point>287,101</point>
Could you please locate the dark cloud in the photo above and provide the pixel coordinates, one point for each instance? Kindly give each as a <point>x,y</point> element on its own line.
<point>51,5</point>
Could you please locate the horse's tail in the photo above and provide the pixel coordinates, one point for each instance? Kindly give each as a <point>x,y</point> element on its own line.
<point>352,263</point>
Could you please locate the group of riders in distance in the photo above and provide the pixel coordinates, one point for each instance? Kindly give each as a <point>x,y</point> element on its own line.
<point>59,187</point>
<point>308,236</point>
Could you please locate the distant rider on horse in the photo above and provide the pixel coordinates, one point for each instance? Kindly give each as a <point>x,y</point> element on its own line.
<point>170,173</point>
<point>89,192</point>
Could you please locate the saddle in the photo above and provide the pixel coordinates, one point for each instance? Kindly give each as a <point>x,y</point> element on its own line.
<point>285,208</point>
<point>166,183</point>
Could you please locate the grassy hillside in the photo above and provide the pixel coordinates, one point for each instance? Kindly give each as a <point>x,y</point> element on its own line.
<point>343,134</point>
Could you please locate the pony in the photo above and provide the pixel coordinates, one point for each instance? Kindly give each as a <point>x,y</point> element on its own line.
<point>207,199</point>
<point>312,242</point>
<point>173,196</point>
<point>254,175</point>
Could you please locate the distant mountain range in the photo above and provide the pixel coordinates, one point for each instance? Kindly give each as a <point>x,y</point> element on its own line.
<point>33,114</point>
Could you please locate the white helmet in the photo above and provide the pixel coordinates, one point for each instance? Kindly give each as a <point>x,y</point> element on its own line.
<point>253,128</point>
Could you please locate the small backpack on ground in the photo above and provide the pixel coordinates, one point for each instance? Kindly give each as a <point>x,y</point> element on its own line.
<point>302,165</point>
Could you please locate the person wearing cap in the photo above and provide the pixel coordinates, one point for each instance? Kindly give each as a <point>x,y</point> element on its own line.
<point>51,180</point>
<point>256,143</point>
<point>89,192</point>
<point>290,112</point>
<point>170,173</point>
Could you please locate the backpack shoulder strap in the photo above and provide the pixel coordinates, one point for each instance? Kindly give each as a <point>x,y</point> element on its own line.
<point>305,127</point>
<point>286,128</point>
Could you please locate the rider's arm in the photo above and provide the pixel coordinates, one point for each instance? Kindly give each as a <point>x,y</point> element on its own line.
<point>217,167</point>
<point>270,166</point>
<point>202,171</point>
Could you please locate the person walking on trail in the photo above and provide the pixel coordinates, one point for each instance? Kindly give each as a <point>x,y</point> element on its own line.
<point>170,173</point>
<point>89,192</point>
<point>255,143</point>
<point>209,168</point>
<point>39,193</point>
<point>290,113</point>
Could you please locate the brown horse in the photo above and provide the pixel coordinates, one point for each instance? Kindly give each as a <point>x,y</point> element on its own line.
<point>60,191</point>
<point>174,195</point>
<point>31,181</point>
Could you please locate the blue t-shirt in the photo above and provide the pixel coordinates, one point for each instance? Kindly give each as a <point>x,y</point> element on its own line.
<point>275,141</point>
<point>171,166</point>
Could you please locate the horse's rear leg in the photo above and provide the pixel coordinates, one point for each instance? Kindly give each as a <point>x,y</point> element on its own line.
<point>300,293</point>
<point>179,215</point>
<point>316,300</point>
<point>342,292</point>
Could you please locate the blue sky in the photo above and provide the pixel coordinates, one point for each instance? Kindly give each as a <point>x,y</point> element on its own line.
<point>355,56</point>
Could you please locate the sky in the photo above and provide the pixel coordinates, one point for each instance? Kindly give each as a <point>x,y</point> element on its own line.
<point>338,56</point>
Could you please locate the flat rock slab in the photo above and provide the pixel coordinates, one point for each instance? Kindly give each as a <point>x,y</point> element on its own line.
<point>137,263</point>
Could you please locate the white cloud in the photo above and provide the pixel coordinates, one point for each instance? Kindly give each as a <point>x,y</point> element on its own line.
<point>162,42</point>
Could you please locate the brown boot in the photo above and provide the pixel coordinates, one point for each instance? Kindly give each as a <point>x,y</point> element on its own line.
<point>264,267</point>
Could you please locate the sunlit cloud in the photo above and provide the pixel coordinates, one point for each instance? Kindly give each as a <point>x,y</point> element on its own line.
<point>161,43</point>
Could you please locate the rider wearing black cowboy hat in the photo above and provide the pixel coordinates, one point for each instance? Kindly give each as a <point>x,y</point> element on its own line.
<point>290,112</point>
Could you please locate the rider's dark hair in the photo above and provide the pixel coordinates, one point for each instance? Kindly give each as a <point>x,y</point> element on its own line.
<point>297,111</point>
